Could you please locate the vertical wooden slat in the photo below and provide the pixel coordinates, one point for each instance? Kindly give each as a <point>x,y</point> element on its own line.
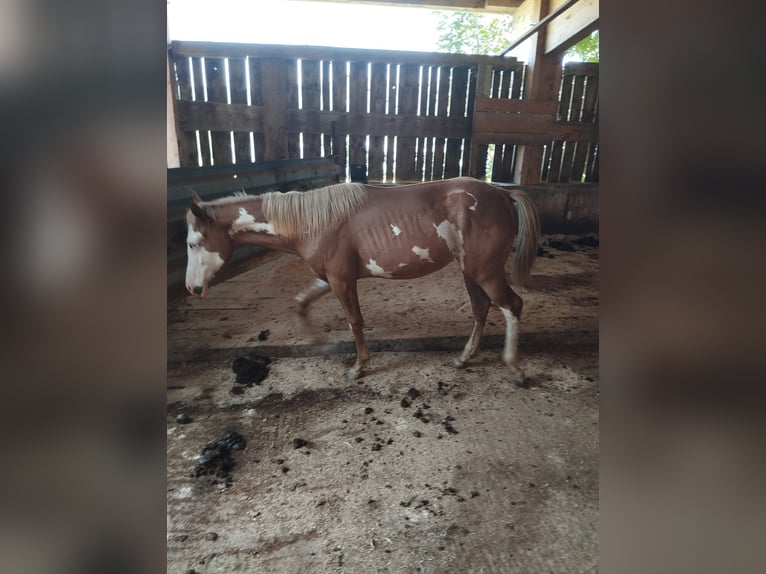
<point>291,103</point>
<point>199,96</point>
<point>517,82</point>
<point>457,109</point>
<point>565,98</point>
<point>326,102</point>
<point>578,161</point>
<point>358,103</point>
<point>378,90</point>
<point>238,90</point>
<point>312,100</point>
<point>339,79</point>
<point>408,106</point>
<point>256,99</point>
<point>187,139</point>
<point>274,87</point>
<point>554,173</point>
<point>443,111</point>
<point>591,97</point>
<point>592,164</point>
<point>577,93</point>
<point>565,175</point>
<point>215,73</point>
<point>546,156</point>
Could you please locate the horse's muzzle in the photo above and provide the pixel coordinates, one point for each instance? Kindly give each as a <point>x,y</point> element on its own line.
<point>197,290</point>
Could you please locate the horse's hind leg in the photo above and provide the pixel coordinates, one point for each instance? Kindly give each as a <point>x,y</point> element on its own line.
<point>346,293</point>
<point>305,298</point>
<point>480,305</point>
<point>510,305</point>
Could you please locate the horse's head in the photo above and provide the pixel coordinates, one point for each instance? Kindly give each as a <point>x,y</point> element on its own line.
<point>208,247</point>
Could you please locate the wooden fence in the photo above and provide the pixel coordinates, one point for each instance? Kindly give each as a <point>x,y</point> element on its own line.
<point>393,116</point>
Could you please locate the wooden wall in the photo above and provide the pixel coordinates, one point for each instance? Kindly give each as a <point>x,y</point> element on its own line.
<point>404,116</point>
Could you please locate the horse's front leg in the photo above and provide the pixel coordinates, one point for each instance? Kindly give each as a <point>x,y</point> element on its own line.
<point>345,291</point>
<point>305,298</point>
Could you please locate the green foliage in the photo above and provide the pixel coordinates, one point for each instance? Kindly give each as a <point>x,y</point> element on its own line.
<point>472,33</point>
<point>586,50</point>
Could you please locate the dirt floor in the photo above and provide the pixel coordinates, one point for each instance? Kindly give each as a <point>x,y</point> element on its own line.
<point>416,467</point>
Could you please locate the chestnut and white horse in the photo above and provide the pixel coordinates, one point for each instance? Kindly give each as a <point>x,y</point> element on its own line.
<point>349,231</point>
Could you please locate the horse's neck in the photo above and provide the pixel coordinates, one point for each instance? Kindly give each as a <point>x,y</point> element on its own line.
<point>252,228</point>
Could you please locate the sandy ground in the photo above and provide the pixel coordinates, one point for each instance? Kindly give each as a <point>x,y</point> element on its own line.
<point>417,467</point>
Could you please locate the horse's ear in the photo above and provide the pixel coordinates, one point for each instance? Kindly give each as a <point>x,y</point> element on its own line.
<point>196,198</point>
<point>197,210</point>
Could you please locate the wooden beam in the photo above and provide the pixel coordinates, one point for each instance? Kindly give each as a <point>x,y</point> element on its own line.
<point>537,27</point>
<point>572,26</point>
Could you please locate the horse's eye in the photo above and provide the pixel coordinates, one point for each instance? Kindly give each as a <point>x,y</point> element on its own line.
<point>192,246</point>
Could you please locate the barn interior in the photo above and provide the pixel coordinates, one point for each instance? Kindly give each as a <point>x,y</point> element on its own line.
<point>418,466</point>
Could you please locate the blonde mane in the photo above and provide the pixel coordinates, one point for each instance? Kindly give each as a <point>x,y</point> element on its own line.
<point>311,212</point>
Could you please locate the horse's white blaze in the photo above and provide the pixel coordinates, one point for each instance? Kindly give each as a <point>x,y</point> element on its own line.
<point>453,237</point>
<point>511,336</point>
<point>396,230</point>
<point>246,222</point>
<point>376,269</point>
<point>422,253</point>
<point>202,264</point>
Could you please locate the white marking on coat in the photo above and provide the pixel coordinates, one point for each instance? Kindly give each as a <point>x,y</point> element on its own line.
<point>376,269</point>
<point>402,265</point>
<point>422,253</point>
<point>476,201</point>
<point>396,230</point>
<point>202,264</point>
<point>511,336</point>
<point>246,222</point>
<point>453,237</point>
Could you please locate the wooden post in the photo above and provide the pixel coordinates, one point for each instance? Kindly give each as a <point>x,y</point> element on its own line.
<point>542,82</point>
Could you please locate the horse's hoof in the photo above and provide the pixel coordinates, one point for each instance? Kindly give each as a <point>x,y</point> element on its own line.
<point>457,363</point>
<point>518,378</point>
<point>353,374</point>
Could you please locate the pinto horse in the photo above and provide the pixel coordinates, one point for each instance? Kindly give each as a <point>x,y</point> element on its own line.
<point>350,231</point>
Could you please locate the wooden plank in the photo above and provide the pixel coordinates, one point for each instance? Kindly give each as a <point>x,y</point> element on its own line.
<point>326,83</point>
<point>339,79</point>
<point>577,94</point>
<point>273,85</point>
<point>578,161</point>
<point>591,98</point>
<point>582,68</point>
<point>187,139</point>
<point>517,82</point>
<point>442,109</point>
<point>565,98</point>
<point>554,175</point>
<point>408,106</point>
<point>520,123</point>
<point>560,132</point>
<point>592,164</point>
<point>516,106</point>
<point>215,78</point>
<point>312,100</point>
<point>256,99</point>
<point>235,50</point>
<point>238,91</point>
<point>572,25</point>
<point>181,78</point>
<point>291,103</point>
<point>199,96</point>
<point>457,110</point>
<point>357,151</point>
<point>567,157</point>
<point>218,116</point>
<point>378,92</point>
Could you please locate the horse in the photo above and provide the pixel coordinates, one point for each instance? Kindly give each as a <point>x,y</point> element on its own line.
<point>350,231</point>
